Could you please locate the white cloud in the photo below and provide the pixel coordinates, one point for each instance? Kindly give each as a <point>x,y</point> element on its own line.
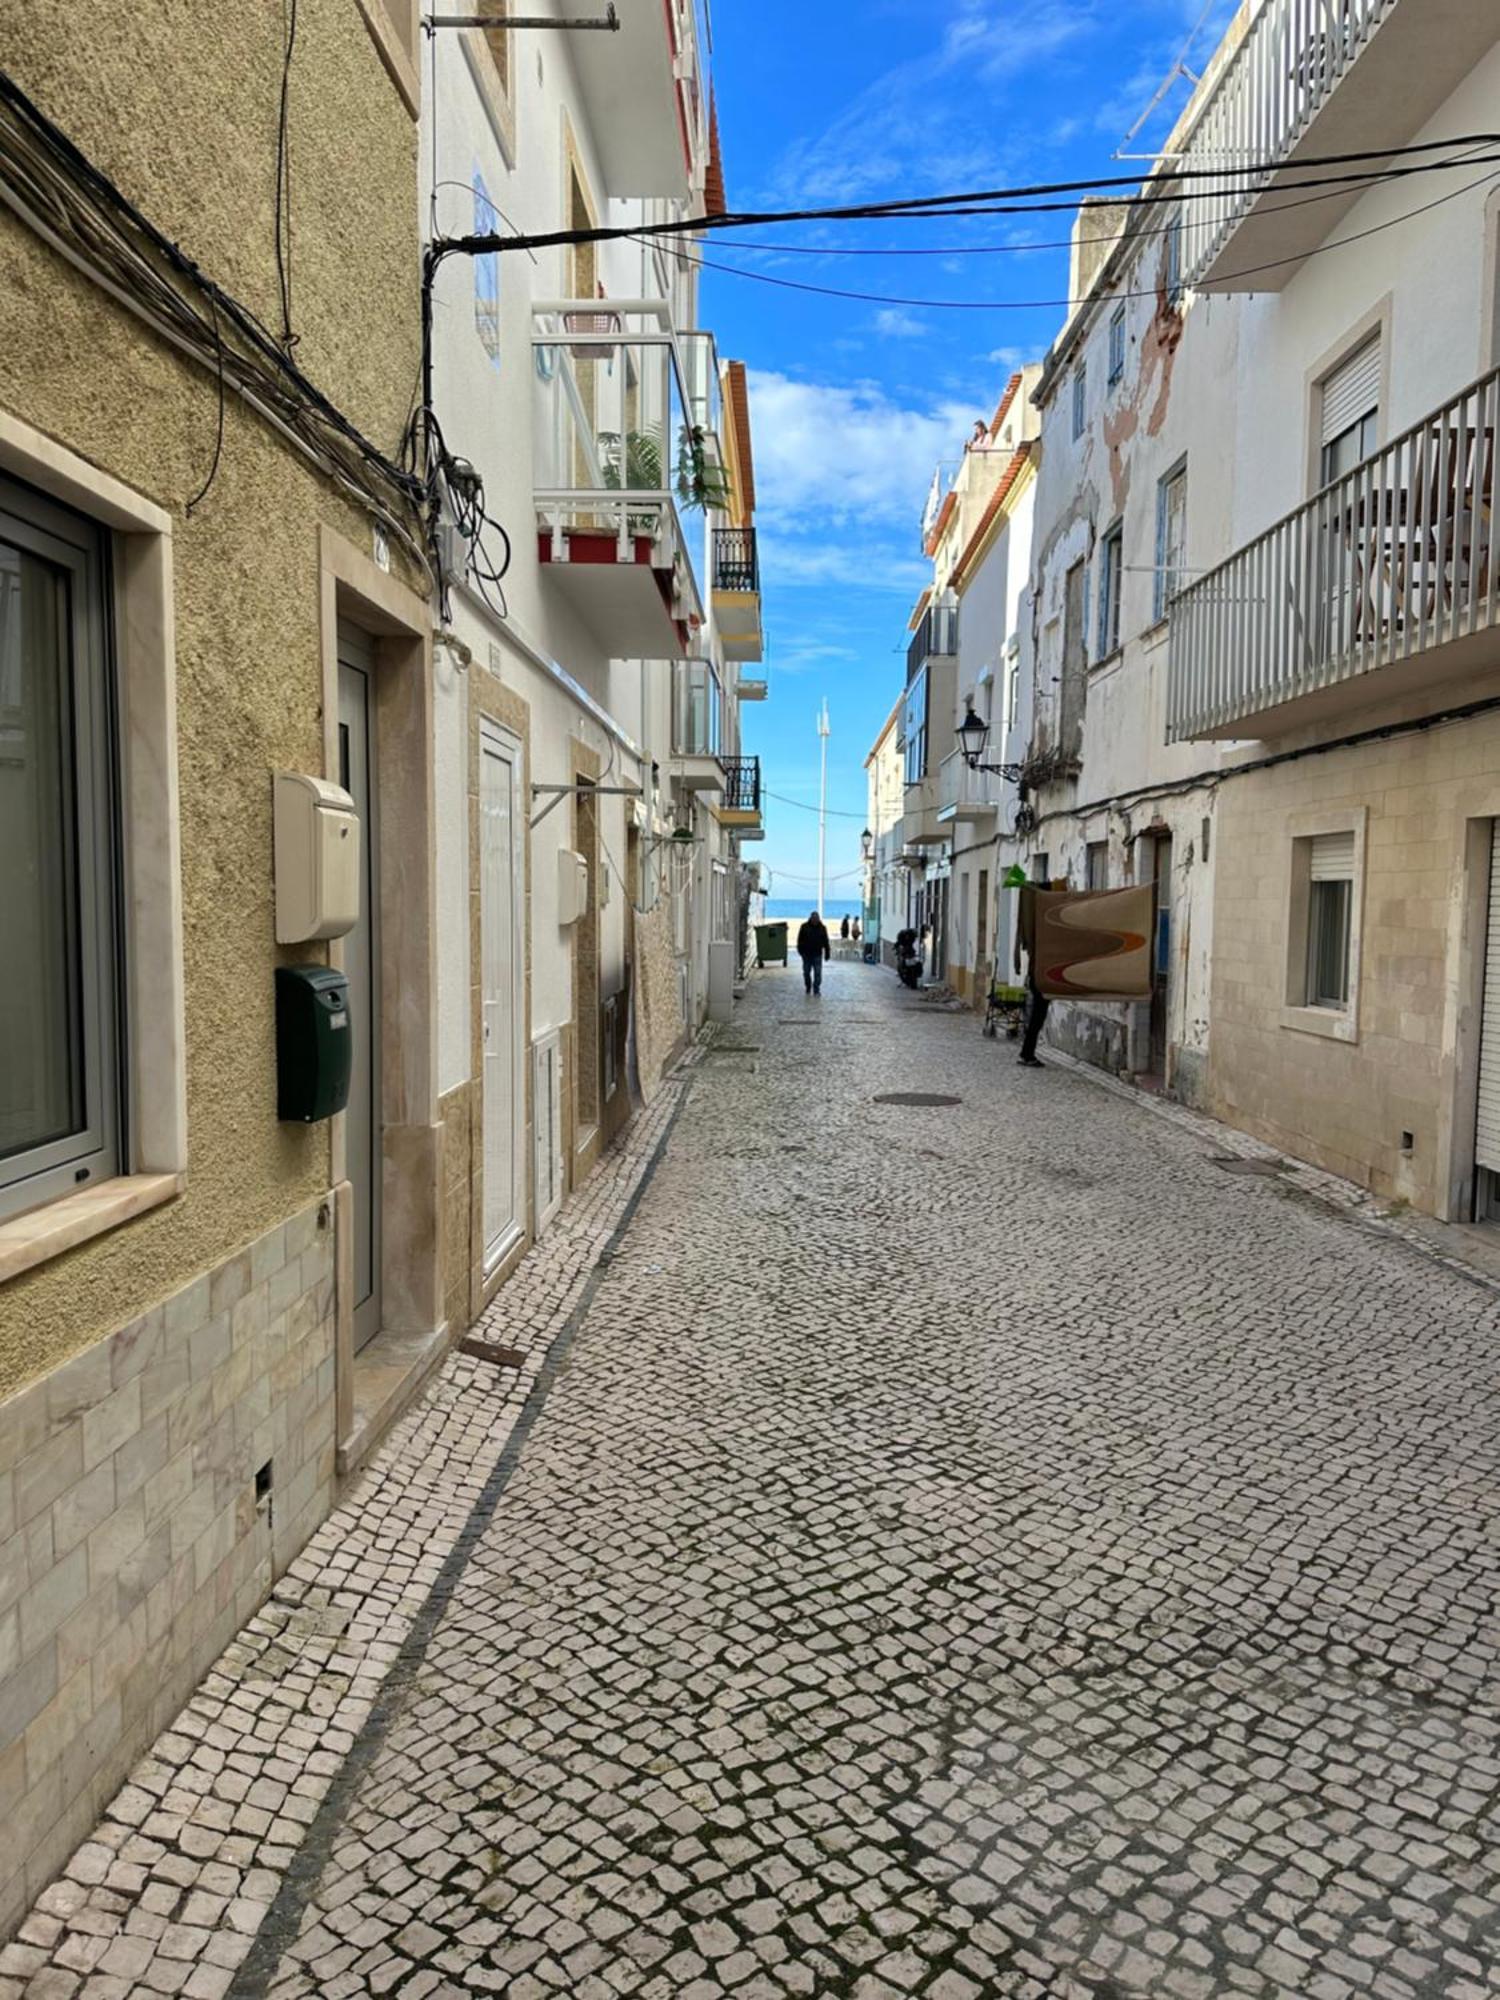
<point>895,323</point>
<point>845,452</point>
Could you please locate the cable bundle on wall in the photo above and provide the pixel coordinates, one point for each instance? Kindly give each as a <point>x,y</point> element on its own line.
<point>58,193</point>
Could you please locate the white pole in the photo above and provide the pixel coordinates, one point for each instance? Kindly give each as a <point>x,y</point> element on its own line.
<point>823,805</point>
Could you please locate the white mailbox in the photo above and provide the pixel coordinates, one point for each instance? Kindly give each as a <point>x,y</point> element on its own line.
<point>317,859</point>
<point>572,886</point>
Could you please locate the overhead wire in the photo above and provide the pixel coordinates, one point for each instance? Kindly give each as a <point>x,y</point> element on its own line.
<point>703,263</point>
<point>284,185</point>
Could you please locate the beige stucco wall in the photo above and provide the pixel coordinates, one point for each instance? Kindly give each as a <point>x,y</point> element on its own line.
<point>1344,1105</point>
<point>179,104</point>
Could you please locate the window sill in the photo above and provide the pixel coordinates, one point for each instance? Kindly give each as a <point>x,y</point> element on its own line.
<point>1337,1025</point>
<point>1106,662</point>
<point>31,1239</point>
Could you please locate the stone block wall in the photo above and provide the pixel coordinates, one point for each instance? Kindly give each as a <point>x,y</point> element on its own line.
<point>133,1541</point>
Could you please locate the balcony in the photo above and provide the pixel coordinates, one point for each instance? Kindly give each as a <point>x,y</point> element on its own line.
<point>963,794</point>
<point>643,95</point>
<point>758,689</point>
<point>1309,79</point>
<point>1383,584</point>
<point>736,588</point>
<point>936,638</point>
<point>610,415</point>
<point>697,718</point>
<point>741,809</point>
<point>920,824</point>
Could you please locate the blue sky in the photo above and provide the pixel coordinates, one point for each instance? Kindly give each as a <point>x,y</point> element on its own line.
<point>855,403</point>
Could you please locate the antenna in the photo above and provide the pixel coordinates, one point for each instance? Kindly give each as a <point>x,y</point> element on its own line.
<point>824,733</point>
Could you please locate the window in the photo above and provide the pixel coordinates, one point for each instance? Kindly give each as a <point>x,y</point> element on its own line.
<point>59,1027</point>
<point>1117,344</point>
<point>916,729</point>
<point>1012,689</point>
<point>1096,864</point>
<point>1171,533</point>
<point>486,272</point>
<point>1110,574</point>
<point>1080,399</point>
<point>1174,285</point>
<point>1350,412</point>
<point>1330,904</point>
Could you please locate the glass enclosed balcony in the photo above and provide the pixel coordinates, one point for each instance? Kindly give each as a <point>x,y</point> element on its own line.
<point>613,455</point>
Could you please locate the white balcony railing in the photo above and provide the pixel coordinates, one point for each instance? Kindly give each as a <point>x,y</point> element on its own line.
<point>1397,560</point>
<point>966,793</point>
<point>1291,60</point>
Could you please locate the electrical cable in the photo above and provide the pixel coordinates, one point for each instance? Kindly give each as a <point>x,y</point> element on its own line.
<point>834,812</point>
<point>284,186</point>
<point>1068,304</point>
<point>1022,200</point>
<point>202,492</point>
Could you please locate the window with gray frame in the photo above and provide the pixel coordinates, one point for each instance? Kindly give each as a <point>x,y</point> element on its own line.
<point>916,729</point>
<point>1350,412</point>
<point>1080,399</point>
<point>1117,344</point>
<point>1111,572</point>
<point>59,1011</point>
<point>1171,537</point>
<point>1330,905</point>
<point>1174,285</point>
<point>1096,864</point>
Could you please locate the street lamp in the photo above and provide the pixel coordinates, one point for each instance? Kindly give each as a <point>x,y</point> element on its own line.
<point>866,844</point>
<point>973,735</point>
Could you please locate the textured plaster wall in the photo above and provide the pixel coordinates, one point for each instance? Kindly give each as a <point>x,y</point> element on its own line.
<point>1342,1104</point>
<point>179,104</point>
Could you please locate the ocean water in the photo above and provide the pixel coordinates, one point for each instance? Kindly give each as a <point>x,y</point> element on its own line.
<point>779,908</point>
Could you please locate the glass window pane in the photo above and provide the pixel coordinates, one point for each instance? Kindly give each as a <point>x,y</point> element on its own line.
<point>1329,908</point>
<point>41,1057</point>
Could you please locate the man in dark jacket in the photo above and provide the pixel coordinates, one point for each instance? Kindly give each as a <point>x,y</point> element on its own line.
<point>812,948</point>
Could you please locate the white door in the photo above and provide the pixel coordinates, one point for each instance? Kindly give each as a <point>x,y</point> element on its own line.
<point>502,1012</point>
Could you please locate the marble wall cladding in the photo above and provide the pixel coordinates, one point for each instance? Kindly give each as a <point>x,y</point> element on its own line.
<point>135,1535</point>
<point>457,1112</point>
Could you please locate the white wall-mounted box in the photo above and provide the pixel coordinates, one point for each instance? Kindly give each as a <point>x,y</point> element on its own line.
<point>317,859</point>
<point>572,886</point>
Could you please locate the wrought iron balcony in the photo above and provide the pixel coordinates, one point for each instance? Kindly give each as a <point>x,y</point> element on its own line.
<point>741,787</point>
<point>736,565</point>
<point>936,638</point>
<point>1392,572</point>
<point>1311,79</point>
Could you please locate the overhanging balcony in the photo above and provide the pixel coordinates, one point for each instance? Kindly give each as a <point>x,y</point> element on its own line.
<point>757,688</point>
<point>964,794</point>
<point>741,809</point>
<point>643,92</point>
<point>736,593</point>
<point>1309,79</point>
<point>697,718</point>
<point>611,425</point>
<point>936,638</point>
<point>921,825</point>
<point>1383,584</point>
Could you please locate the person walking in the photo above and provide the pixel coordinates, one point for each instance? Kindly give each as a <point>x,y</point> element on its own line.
<point>1038,1005</point>
<point>844,930</point>
<point>813,947</point>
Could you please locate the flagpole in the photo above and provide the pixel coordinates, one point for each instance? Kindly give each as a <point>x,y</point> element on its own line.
<point>823,732</point>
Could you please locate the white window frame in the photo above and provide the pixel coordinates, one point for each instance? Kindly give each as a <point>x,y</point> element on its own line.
<point>1111,581</point>
<point>1117,345</point>
<point>1169,572</point>
<point>1299,1013</point>
<point>152,1058</point>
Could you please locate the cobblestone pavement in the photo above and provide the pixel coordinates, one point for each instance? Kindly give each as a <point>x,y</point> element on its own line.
<point>960,1550</point>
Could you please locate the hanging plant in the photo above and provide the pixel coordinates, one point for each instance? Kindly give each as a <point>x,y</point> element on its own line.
<point>701,482</point>
<point>631,462</point>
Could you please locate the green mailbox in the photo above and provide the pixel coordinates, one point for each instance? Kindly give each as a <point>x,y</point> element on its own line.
<point>313,1042</point>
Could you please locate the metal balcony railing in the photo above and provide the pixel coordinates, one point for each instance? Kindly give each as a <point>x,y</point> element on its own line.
<point>1289,63</point>
<point>962,790</point>
<point>736,562</point>
<point>1396,559</point>
<point>935,638</point>
<point>741,784</point>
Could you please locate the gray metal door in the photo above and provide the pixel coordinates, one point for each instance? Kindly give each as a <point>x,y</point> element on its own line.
<point>362,1126</point>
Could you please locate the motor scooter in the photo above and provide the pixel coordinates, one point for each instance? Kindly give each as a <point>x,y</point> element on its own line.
<point>908,960</point>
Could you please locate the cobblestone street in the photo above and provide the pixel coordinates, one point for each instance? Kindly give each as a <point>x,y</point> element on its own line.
<point>978,1548</point>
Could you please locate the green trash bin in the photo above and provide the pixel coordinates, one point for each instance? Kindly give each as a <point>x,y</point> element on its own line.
<point>770,944</point>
